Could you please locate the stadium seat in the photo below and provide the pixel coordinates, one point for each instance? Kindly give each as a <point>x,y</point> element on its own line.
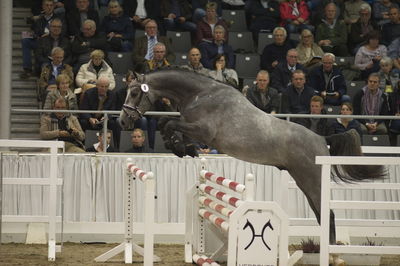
<point>236,19</point>
<point>159,146</point>
<point>344,61</point>
<point>353,87</point>
<point>332,110</point>
<point>181,58</point>
<point>375,140</point>
<point>91,138</point>
<point>263,40</point>
<point>247,65</point>
<point>120,62</point>
<point>125,142</point>
<point>241,42</point>
<point>180,40</point>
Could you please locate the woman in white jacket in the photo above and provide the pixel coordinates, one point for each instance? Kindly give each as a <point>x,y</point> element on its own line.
<point>90,72</point>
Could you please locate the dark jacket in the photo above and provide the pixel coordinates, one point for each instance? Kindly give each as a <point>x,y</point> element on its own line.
<point>323,127</point>
<point>205,33</point>
<point>74,20</point>
<point>355,37</point>
<point>120,25</point>
<point>268,15</point>
<point>295,103</point>
<point>281,76</point>
<point>40,24</point>
<point>98,41</point>
<point>120,96</point>
<point>151,7</point>
<point>338,127</point>
<point>142,149</point>
<point>210,50</point>
<point>274,52</point>
<point>357,106</point>
<point>336,83</point>
<point>390,31</point>
<point>273,99</point>
<point>92,149</point>
<point>91,102</point>
<point>185,9</point>
<point>140,50</point>
<point>46,44</point>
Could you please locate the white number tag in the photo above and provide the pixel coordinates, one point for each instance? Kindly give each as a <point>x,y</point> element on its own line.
<point>144,87</point>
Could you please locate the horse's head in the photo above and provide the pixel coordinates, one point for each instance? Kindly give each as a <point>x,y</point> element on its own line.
<point>137,102</point>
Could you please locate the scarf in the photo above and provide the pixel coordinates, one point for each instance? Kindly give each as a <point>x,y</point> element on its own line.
<point>295,10</point>
<point>371,103</point>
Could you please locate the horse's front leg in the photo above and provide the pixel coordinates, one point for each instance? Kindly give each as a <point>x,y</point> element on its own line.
<point>172,140</point>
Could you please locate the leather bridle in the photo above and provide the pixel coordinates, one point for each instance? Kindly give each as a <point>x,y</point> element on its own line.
<point>128,109</point>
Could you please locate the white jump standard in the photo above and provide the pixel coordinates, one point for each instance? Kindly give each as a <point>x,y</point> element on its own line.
<point>224,223</point>
<point>128,245</point>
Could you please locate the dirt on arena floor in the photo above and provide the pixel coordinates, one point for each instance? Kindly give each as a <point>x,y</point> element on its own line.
<point>84,254</point>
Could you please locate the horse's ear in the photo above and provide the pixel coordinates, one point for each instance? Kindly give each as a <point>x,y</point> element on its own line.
<point>137,76</point>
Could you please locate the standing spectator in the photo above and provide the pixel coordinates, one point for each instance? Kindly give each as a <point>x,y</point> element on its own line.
<point>275,52</point>
<point>99,145</point>
<point>88,41</point>
<point>331,34</point>
<point>360,30</point>
<point>381,11</point>
<point>320,126</point>
<point>262,96</point>
<point>77,16</point>
<point>309,53</point>
<point>296,98</point>
<point>370,100</point>
<point>194,63</point>
<point>206,26</point>
<point>144,46</point>
<point>39,28</point>
<point>50,72</point>
<point>391,30</point>
<point>48,42</point>
<point>96,67</point>
<point>281,76</point>
<point>159,59</point>
<point>177,15</point>
<point>223,74</point>
<point>352,11</point>
<point>62,127</point>
<point>368,56</point>
<point>138,138</point>
<point>62,90</point>
<point>264,16</point>
<point>118,28</point>
<point>328,81</point>
<point>219,46</point>
<point>294,15</point>
<point>341,125</point>
<point>140,12</point>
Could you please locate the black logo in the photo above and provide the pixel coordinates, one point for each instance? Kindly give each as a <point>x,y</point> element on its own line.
<point>248,224</point>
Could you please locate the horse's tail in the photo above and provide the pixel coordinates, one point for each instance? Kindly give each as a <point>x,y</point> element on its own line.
<point>349,144</point>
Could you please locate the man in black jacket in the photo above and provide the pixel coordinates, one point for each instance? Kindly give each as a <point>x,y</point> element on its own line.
<point>77,16</point>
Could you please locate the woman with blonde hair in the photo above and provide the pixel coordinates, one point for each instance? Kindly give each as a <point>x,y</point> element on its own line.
<point>309,53</point>
<point>63,90</point>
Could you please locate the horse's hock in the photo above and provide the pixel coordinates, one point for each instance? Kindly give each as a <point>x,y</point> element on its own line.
<point>224,223</point>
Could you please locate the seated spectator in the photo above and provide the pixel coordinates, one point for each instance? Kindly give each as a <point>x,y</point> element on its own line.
<point>328,81</point>
<point>370,100</point>
<point>177,15</point>
<point>62,127</point>
<point>199,9</point>
<point>206,25</point>
<point>99,146</point>
<point>264,16</point>
<point>121,92</point>
<point>394,100</point>
<point>275,52</point>
<point>331,34</point>
<point>219,46</point>
<point>140,13</point>
<point>39,28</point>
<point>194,63</point>
<point>223,74</point>
<point>296,98</point>
<point>281,76</point>
<point>97,67</point>
<point>294,15</point>
<point>309,53</point>
<point>391,30</point>
<point>50,71</point>
<point>389,78</point>
<point>138,139</point>
<point>351,11</point>
<point>317,9</point>
<point>204,149</point>
<point>50,41</point>
<point>368,56</point>
<point>320,126</point>
<point>144,46</point>
<point>77,16</point>
<point>341,125</point>
<point>262,96</point>
<point>360,30</point>
<point>381,11</point>
<point>159,59</point>
<point>118,28</point>
<point>63,83</point>
<point>99,98</point>
<point>85,43</point>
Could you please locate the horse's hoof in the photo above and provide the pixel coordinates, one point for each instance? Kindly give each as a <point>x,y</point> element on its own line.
<point>179,149</point>
<point>190,150</point>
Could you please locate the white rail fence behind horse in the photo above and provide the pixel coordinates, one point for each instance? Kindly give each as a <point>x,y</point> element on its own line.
<point>128,246</point>
<point>327,203</point>
<point>53,181</point>
<point>219,205</point>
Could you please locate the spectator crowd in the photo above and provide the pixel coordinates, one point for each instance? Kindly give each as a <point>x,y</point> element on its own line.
<point>69,43</point>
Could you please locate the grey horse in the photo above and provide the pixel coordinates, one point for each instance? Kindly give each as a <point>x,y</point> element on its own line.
<point>218,115</point>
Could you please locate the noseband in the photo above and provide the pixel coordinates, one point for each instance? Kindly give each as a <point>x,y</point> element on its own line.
<point>128,109</point>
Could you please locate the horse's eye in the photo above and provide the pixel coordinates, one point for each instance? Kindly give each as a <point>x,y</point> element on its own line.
<point>134,93</point>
